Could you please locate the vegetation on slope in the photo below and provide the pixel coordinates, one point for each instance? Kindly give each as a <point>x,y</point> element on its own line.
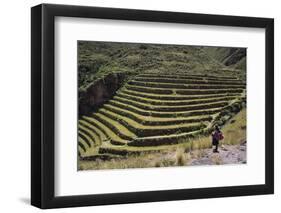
<point>98,59</point>
<point>230,57</point>
<point>177,155</point>
<point>142,98</point>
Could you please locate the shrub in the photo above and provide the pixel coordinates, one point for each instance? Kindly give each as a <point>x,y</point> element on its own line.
<point>143,47</point>
<point>180,157</point>
<point>157,164</point>
<point>168,162</point>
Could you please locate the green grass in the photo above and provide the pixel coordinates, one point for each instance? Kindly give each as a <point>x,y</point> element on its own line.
<point>154,135</point>
<point>90,141</point>
<point>83,143</point>
<point>168,97</point>
<point>144,131</point>
<point>169,155</point>
<point>188,76</point>
<point>163,108</point>
<point>112,137</point>
<point>236,129</point>
<point>121,130</point>
<point>89,135</point>
<point>183,86</point>
<point>83,124</point>
<point>171,91</point>
<point>97,59</point>
<point>158,102</point>
<point>174,80</point>
<point>152,121</point>
<point>175,96</point>
<point>169,111</point>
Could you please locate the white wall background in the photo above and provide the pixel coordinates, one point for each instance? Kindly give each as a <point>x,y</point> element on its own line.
<point>15,105</point>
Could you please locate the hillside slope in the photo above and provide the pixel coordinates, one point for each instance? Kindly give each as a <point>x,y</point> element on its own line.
<point>156,109</point>
<point>97,59</point>
<point>230,57</point>
<point>103,67</point>
<point>139,98</point>
<point>198,151</point>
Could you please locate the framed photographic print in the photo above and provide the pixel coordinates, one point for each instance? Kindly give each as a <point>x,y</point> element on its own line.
<point>139,106</point>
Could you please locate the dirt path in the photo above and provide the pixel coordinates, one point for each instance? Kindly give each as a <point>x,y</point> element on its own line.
<point>228,154</point>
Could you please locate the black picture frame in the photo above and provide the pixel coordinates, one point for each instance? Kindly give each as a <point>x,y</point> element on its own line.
<point>43,102</point>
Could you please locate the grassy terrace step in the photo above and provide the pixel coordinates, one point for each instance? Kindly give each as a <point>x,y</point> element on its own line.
<point>145,131</point>
<point>173,102</point>
<point>149,144</point>
<point>184,86</point>
<point>149,121</point>
<point>101,136</point>
<point>90,151</point>
<point>89,134</point>
<point>169,76</point>
<point>208,91</point>
<point>80,150</point>
<point>164,114</point>
<point>101,156</point>
<point>86,138</point>
<point>187,81</point>
<point>84,149</point>
<point>116,127</point>
<point>112,136</point>
<point>149,90</point>
<point>151,108</point>
<point>164,140</point>
<point>176,96</point>
<point>181,91</point>
<point>175,73</point>
<point>187,76</point>
<point>119,114</point>
<point>116,151</point>
<point>201,75</point>
<point>95,141</point>
<point>129,150</point>
<point>84,143</point>
<point>94,127</point>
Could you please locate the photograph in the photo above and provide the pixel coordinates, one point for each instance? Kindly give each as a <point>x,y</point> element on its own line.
<point>143,105</point>
<point>134,105</point>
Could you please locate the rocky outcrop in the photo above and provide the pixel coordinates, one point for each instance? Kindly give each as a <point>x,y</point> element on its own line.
<point>228,56</point>
<point>99,92</point>
<point>235,57</point>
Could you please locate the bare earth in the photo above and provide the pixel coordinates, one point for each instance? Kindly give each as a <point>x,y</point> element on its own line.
<point>228,154</point>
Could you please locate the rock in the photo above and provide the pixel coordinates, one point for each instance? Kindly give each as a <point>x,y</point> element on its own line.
<point>99,93</point>
<point>242,148</point>
<point>223,148</point>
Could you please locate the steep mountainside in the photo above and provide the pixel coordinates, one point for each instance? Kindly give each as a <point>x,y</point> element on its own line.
<point>103,67</point>
<point>230,57</point>
<point>97,59</point>
<point>156,109</point>
<point>136,98</point>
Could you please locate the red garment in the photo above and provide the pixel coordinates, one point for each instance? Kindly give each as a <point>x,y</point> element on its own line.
<point>218,135</point>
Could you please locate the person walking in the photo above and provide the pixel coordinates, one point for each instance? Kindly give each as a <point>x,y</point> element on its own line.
<point>216,137</point>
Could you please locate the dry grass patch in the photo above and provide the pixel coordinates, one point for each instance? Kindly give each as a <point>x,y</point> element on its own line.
<point>181,159</point>
<point>179,154</point>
